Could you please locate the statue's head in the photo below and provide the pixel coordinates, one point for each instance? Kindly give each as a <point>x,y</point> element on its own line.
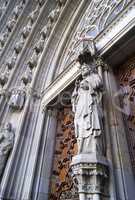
<point>8,126</point>
<point>85,70</point>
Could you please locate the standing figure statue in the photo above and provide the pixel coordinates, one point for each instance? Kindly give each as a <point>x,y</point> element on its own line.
<point>86,104</point>
<point>6,145</point>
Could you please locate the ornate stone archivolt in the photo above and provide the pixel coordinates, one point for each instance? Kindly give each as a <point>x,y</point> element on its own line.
<point>11,23</point>
<point>44,36</point>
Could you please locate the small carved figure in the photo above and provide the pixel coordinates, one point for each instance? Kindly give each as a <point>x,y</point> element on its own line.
<point>17,99</point>
<point>53,16</point>
<point>19,45</point>
<point>33,15</point>
<point>61,2</point>
<point>40,2</point>
<point>6,145</point>
<point>26,31</point>
<point>3,78</point>
<point>27,77</point>
<point>88,112</point>
<point>11,62</point>
<point>40,44</point>
<point>17,10</point>
<point>33,60</point>
<point>3,38</point>
<point>47,29</point>
<point>10,24</point>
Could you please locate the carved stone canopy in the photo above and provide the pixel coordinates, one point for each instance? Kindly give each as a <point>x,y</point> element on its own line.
<point>87,50</point>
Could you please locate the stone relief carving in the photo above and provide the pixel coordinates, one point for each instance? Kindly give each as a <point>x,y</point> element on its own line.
<point>88,113</point>
<point>27,77</point>
<point>11,62</point>
<point>6,144</point>
<point>53,16</point>
<point>33,60</point>
<point>17,99</point>
<point>61,2</point>
<point>4,78</point>
<point>11,23</point>
<point>3,38</point>
<point>19,45</point>
<point>18,8</point>
<point>3,8</point>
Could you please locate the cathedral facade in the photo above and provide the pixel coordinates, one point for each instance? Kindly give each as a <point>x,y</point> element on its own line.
<point>67,96</point>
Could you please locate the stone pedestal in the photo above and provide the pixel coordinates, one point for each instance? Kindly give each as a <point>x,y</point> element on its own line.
<point>91,176</point>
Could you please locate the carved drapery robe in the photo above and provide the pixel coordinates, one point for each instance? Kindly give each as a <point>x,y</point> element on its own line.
<point>88,114</point>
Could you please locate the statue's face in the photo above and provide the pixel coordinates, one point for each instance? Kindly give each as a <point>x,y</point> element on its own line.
<point>8,126</point>
<point>85,70</point>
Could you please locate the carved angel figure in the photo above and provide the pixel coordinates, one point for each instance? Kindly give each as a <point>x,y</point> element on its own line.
<point>88,113</point>
<point>6,144</point>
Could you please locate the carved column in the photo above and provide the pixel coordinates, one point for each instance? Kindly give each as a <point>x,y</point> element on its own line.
<point>90,167</point>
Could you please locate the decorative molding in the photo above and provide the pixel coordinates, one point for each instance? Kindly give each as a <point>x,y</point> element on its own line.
<point>63,80</point>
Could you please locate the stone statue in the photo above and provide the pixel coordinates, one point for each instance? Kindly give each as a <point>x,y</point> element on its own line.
<point>4,78</point>
<point>88,113</point>
<point>10,24</point>
<point>17,10</point>
<point>17,99</point>
<point>26,30</point>
<point>19,45</point>
<point>6,145</point>
<point>33,60</point>
<point>27,77</point>
<point>11,62</point>
<point>61,2</point>
<point>53,16</point>
<point>3,38</point>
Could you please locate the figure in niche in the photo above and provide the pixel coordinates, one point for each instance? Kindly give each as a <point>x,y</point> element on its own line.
<point>19,45</point>
<point>10,25</point>
<point>40,44</point>
<point>3,38</point>
<point>17,99</point>
<point>27,77</point>
<point>33,60</point>
<point>6,145</point>
<point>11,61</point>
<point>33,15</point>
<point>53,16</point>
<point>61,2</point>
<point>4,78</point>
<point>86,100</point>
<point>18,9</point>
